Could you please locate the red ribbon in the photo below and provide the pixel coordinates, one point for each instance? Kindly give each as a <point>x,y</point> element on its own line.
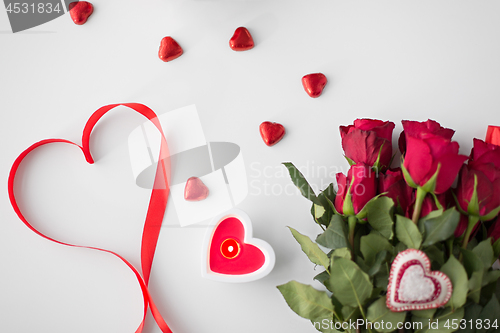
<point>156,208</point>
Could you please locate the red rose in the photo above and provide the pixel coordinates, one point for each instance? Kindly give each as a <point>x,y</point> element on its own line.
<point>462,227</point>
<point>428,146</point>
<point>429,203</point>
<point>355,190</point>
<point>478,190</point>
<point>493,135</point>
<point>394,184</point>
<point>494,230</point>
<point>424,128</point>
<point>362,142</point>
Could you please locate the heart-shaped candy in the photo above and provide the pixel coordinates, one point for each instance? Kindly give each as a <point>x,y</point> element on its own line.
<point>314,84</point>
<point>271,133</point>
<point>241,40</point>
<point>413,286</point>
<point>195,190</point>
<point>169,49</point>
<point>80,11</point>
<point>230,254</point>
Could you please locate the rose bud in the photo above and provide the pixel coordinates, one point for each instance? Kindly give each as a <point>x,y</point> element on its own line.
<point>393,184</point>
<point>369,142</point>
<point>431,161</point>
<point>478,190</point>
<point>355,190</point>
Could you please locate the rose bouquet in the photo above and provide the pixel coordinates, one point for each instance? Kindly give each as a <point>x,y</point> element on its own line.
<point>403,248</point>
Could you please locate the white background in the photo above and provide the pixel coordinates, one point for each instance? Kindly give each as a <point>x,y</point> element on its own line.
<point>390,60</point>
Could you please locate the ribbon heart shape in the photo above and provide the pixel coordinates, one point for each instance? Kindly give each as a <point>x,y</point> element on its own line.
<point>413,286</point>
<point>156,209</point>
<point>230,254</point>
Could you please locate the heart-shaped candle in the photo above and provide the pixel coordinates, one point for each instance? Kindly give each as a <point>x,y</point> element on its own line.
<point>241,40</point>
<point>314,84</point>
<point>169,49</point>
<point>80,11</point>
<point>413,286</point>
<point>271,133</point>
<point>230,254</point>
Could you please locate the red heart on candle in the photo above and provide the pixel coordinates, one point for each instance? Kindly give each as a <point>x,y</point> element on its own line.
<point>271,133</point>
<point>169,49</point>
<point>229,254</point>
<point>314,84</point>
<point>195,190</point>
<point>241,40</point>
<point>413,286</point>
<point>80,11</point>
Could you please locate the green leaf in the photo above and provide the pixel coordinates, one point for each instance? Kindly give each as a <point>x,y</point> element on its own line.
<point>322,277</point>
<point>472,311</point>
<point>350,285</point>
<point>431,215</point>
<point>379,214</point>
<point>372,244</point>
<point>484,251</point>
<point>458,276</point>
<point>437,325</point>
<point>407,176</point>
<point>407,232</point>
<point>318,211</point>
<point>400,247</point>
<point>380,259</point>
<point>475,285</point>
<point>442,227</point>
<point>343,252</point>
<point>311,249</point>
<point>379,313</point>
<point>429,314</point>
<point>496,248</point>
<point>490,277</point>
<point>307,302</point>
<point>435,254</point>
<point>472,263</point>
<point>334,236</point>
<point>491,312</point>
<point>325,327</point>
<point>349,312</point>
<point>299,180</point>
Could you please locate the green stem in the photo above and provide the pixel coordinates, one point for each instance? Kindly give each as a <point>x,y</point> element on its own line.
<point>352,220</point>
<point>419,200</point>
<point>473,220</point>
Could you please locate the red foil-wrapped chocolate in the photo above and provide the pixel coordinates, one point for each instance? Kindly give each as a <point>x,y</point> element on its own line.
<point>241,40</point>
<point>195,190</point>
<point>314,84</point>
<point>271,133</point>
<point>169,49</point>
<point>80,11</point>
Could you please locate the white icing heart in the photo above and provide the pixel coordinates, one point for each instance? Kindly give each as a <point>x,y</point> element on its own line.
<point>413,286</point>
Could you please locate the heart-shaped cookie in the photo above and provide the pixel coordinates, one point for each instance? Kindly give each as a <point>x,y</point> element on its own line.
<point>314,84</point>
<point>241,40</point>
<point>230,254</point>
<point>271,133</point>
<point>413,286</point>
